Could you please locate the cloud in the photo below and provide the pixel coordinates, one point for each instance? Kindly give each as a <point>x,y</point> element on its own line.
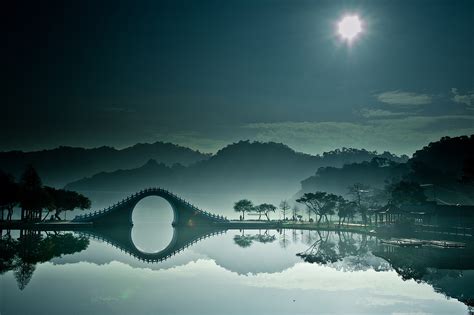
<point>402,135</point>
<point>402,98</point>
<point>380,113</point>
<point>466,99</point>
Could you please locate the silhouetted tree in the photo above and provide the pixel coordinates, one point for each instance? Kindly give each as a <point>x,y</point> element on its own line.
<point>9,194</point>
<point>321,203</point>
<point>346,209</point>
<point>308,212</point>
<point>379,197</point>
<point>243,205</point>
<point>66,200</point>
<point>359,193</point>
<point>407,192</point>
<point>295,212</point>
<point>265,208</point>
<point>284,206</point>
<point>32,196</point>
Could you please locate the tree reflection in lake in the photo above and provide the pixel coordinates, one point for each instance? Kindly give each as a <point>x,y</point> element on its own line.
<point>335,254</point>
<point>246,240</point>
<point>284,238</point>
<point>32,247</point>
<point>448,270</point>
<point>329,247</point>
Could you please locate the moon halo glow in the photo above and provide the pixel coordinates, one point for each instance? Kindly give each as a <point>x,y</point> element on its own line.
<point>349,27</point>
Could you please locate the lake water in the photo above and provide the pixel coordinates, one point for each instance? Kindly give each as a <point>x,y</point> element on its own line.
<point>196,271</point>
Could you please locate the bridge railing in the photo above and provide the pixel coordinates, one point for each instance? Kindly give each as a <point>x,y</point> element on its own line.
<point>151,260</point>
<point>140,194</point>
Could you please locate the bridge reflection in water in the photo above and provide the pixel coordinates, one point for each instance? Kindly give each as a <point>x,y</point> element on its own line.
<point>183,237</point>
<point>114,225</point>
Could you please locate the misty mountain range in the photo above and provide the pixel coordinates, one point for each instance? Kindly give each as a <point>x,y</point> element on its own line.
<point>262,172</point>
<point>64,164</point>
<point>444,168</point>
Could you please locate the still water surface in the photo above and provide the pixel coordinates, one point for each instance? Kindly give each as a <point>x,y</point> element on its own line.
<point>237,272</point>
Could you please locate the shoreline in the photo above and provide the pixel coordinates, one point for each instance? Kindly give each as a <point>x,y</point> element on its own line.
<point>67,225</point>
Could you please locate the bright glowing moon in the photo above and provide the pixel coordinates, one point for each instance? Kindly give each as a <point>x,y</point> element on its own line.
<point>349,27</point>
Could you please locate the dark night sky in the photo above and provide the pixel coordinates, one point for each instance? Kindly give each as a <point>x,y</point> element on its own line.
<point>206,73</point>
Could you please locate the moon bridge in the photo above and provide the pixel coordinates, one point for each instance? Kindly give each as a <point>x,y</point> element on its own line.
<point>183,238</point>
<point>185,213</point>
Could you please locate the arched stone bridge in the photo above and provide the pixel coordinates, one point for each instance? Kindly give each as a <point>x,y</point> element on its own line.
<point>182,239</point>
<point>185,214</point>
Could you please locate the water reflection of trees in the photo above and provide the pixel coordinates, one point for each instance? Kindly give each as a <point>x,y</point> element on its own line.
<point>328,247</point>
<point>246,240</point>
<point>284,238</point>
<point>446,270</point>
<point>21,255</point>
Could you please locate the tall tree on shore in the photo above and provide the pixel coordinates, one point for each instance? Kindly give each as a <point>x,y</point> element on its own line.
<point>65,200</point>
<point>345,210</point>
<point>359,193</point>
<point>295,212</point>
<point>265,209</point>
<point>284,206</point>
<point>308,212</point>
<point>32,196</point>
<point>9,194</point>
<point>320,203</point>
<point>243,205</point>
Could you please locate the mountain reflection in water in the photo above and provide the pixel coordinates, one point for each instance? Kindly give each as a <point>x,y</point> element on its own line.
<point>282,271</point>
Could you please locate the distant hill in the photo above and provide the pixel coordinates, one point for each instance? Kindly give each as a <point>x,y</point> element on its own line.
<point>65,164</point>
<point>443,160</point>
<point>141,177</point>
<point>376,173</point>
<point>444,167</point>
<point>252,164</point>
<point>259,171</point>
<point>255,166</point>
<point>444,164</point>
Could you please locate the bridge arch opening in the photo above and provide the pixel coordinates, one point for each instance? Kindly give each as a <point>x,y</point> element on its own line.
<point>152,230</point>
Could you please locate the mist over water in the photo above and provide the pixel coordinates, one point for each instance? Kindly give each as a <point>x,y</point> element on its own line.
<point>260,267</point>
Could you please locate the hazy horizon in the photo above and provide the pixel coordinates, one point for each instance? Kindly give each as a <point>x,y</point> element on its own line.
<point>197,148</point>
